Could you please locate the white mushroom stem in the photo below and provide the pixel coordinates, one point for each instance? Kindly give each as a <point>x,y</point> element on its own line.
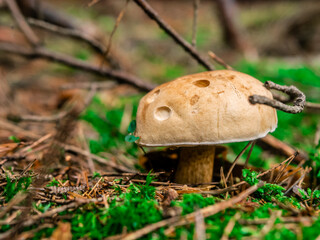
<point>195,165</point>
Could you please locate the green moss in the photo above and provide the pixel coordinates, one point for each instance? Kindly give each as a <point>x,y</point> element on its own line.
<point>14,186</point>
<point>192,202</point>
<point>281,234</point>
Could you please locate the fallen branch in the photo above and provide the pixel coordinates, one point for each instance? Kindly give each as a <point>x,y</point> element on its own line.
<point>196,4</point>
<point>70,32</point>
<point>23,25</point>
<point>40,52</point>
<point>34,219</point>
<point>299,98</point>
<point>95,157</point>
<point>190,218</point>
<point>299,219</point>
<point>282,147</point>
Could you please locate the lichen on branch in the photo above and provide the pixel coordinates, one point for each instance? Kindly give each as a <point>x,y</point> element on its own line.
<point>299,98</point>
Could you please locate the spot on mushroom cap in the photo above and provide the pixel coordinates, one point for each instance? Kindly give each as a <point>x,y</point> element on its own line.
<point>203,109</point>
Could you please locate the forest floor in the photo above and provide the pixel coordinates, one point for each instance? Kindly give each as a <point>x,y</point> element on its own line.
<point>67,170</point>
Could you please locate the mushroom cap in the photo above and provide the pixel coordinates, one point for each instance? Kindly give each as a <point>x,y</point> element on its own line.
<point>204,109</point>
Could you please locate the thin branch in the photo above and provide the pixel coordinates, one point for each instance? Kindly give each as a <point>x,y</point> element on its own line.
<point>281,147</point>
<point>96,157</point>
<point>196,4</point>
<point>200,226</point>
<point>119,18</point>
<point>78,35</point>
<point>237,158</point>
<point>18,130</point>
<point>249,154</point>
<point>69,32</point>
<point>119,76</point>
<point>299,99</point>
<point>219,60</point>
<point>23,25</point>
<point>35,118</point>
<point>13,202</point>
<point>228,229</point>
<point>55,117</point>
<point>93,2</point>
<point>312,106</point>
<point>173,34</point>
<point>298,219</point>
<point>266,172</point>
<point>88,85</point>
<point>33,219</point>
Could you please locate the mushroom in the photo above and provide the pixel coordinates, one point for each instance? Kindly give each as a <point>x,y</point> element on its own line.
<point>198,111</point>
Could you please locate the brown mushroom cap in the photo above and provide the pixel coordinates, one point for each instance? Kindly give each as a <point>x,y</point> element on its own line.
<point>204,109</point>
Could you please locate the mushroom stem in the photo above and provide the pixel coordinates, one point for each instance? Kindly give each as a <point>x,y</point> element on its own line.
<point>195,165</point>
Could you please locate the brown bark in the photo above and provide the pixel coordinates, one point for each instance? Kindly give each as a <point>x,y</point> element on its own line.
<point>195,165</point>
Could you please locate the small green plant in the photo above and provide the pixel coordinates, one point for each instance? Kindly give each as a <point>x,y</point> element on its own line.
<point>107,126</point>
<point>14,186</point>
<point>250,176</point>
<point>144,191</point>
<point>14,139</point>
<point>53,183</point>
<point>270,191</point>
<point>131,210</point>
<point>310,195</point>
<point>42,207</point>
<point>132,127</point>
<point>96,175</point>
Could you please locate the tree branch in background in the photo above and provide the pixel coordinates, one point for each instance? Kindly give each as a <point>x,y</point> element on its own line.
<point>120,16</point>
<point>43,10</point>
<point>173,34</point>
<point>281,147</point>
<point>233,33</point>
<point>49,14</point>
<point>23,25</point>
<point>220,60</point>
<point>40,52</point>
<point>299,99</point>
<point>196,4</point>
<point>75,34</point>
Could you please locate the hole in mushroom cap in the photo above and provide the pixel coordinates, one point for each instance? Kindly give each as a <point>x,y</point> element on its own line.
<point>162,113</point>
<point>202,83</point>
<point>153,96</point>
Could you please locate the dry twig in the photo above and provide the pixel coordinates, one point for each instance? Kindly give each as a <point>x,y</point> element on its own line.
<point>196,4</point>
<point>75,34</point>
<point>219,60</point>
<point>95,157</point>
<point>40,52</point>
<point>237,158</point>
<point>299,98</point>
<point>23,25</point>
<point>120,16</point>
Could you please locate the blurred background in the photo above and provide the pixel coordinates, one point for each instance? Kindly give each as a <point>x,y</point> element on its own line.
<point>270,40</point>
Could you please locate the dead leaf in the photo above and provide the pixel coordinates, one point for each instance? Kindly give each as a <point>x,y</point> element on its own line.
<point>169,195</point>
<point>7,148</point>
<point>62,232</point>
